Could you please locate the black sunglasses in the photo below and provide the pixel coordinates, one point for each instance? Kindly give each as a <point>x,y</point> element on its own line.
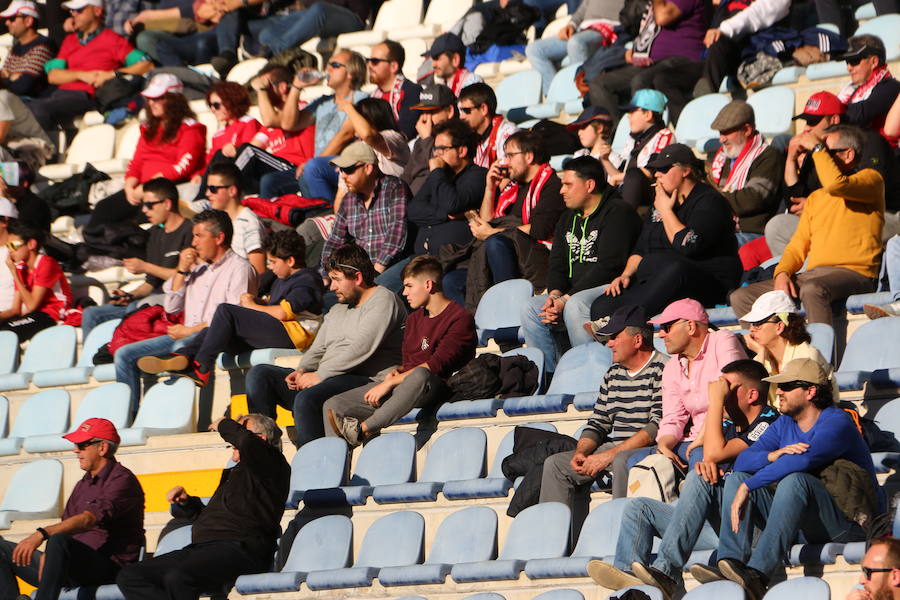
<point>214,189</point>
<point>788,386</point>
<point>351,169</point>
<point>867,571</point>
<point>666,327</point>
<point>84,445</point>
<point>215,105</point>
<point>149,205</point>
<point>855,60</point>
<point>467,109</point>
<point>77,11</point>
<point>376,61</point>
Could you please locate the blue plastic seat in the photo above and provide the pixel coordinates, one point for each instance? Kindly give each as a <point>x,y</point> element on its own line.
<point>320,464</point>
<point>9,352</point>
<point>722,316</point>
<point>259,356</point>
<point>469,534</point>
<point>854,551</point>
<point>495,485</point>
<point>81,372</point>
<point>35,492</point>
<point>52,348</point>
<point>395,540</point>
<point>166,409</point>
<point>653,592</point>
<point>773,107</point>
<point>856,302</point>
<point>485,596</point>
<point>788,75</point>
<point>800,588</point>
<point>174,540</point>
<point>580,371</point>
<point>321,545</point>
<point>886,27</point>
<point>888,419</point>
<point>562,95</point>
<point>865,11</point>
<point>716,590</point>
<point>694,123</point>
<point>815,554</point>
<point>4,416</point>
<point>110,401</point>
<point>563,594</point>
<point>457,455</point>
<point>539,531</point>
<point>44,413</point>
<point>497,315</point>
<point>872,356</point>
<point>389,458</point>
<point>620,138</point>
<point>822,335</point>
<point>516,92</point>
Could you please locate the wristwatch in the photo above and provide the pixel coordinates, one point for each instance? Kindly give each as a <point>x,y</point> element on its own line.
<point>819,146</point>
<point>185,273</point>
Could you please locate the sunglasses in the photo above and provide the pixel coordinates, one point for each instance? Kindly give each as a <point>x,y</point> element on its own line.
<point>350,170</point>
<point>855,60</point>
<point>336,65</point>
<point>759,324</point>
<point>666,327</point>
<point>789,386</point>
<point>215,105</point>
<point>813,120</point>
<point>376,61</point>
<point>84,445</point>
<point>13,18</point>
<point>467,109</point>
<point>149,205</point>
<point>214,189</point>
<point>836,150</point>
<point>867,571</point>
<point>77,11</point>
<point>12,245</point>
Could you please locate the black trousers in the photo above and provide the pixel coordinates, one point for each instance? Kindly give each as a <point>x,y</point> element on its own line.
<point>255,162</point>
<point>115,208</point>
<point>187,573</point>
<point>57,108</point>
<point>26,326</point>
<point>67,562</point>
<point>722,59</point>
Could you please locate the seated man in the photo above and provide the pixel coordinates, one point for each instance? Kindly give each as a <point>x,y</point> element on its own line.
<point>358,342</point>
<point>102,527</point>
<point>386,72</point>
<point>626,417</point>
<point>21,136</point>
<point>879,565</point>
<point>236,532</point>
<point>223,191</point>
<point>593,238</point>
<point>23,71</point>
<point>438,340</point>
<point>737,400</point>
<point>88,58</point>
<point>478,108</point>
<point>437,104</point>
<point>811,434</point>
<point>172,234</point>
<point>288,319</point>
<point>872,90</point>
<point>448,64</point>
<point>839,234</point>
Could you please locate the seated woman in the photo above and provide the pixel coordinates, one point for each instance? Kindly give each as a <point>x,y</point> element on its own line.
<point>288,319</point>
<point>595,129</point>
<point>687,247</point>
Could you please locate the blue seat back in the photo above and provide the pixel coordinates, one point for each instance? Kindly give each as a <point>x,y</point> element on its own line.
<point>174,540</point>
<point>320,464</point>
<point>773,108</point>
<point>9,352</point>
<point>532,354</point>
<point>601,529</point>
<point>822,335</point>
<point>581,369</point>
<point>468,535</point>
<point>325,543</point>
<point>563,594</point>
<point>888,417</point>
<point>886,27</point>
<point>715,591</point>
<point>562,87</point>
<point>500,305</point>
<point>166,405</point>
<point>485,596</point>
<point>800,588</point>
<point>110,401</point>
<point>874,345</point>
<point>620,138</point>
<point>4,416</point>
<point>518,89</point>
<point>389,458</point>
<point>394,540</point>
<point>506,447</point>
<point>99,335</point>
<point>458,454</point>
<point>52,348</point>
<point>36,487</point>
<point>43,413</point>
<point>694,123</point>
<point>539,531</point>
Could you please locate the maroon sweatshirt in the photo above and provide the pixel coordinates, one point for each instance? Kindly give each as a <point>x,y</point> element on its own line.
<point>446,342</point>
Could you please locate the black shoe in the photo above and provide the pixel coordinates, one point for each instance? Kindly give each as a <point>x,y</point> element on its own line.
<point>656,578</point>
<point>176,364</point>
<point>706,573</point>
<point>753,582</point>
<point>224,62</point>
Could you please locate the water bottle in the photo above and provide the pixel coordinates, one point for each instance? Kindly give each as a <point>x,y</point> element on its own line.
<point>311,76</point>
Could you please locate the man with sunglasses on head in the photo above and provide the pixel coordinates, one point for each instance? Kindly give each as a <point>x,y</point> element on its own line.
<point>23,71</point>
<point>872,89</point>
<point>478,107</point>
<point>880,577</point>
<point>102,526</point>
<point>825,477</point>
<point>386,72</point>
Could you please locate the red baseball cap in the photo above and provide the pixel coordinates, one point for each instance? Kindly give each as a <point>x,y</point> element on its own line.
<point>821,104</point>
<point>95,428</point>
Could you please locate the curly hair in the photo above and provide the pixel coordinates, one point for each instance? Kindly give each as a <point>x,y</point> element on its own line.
<point>176,111</point>
<point>795,330</point>
<point>234,97</point>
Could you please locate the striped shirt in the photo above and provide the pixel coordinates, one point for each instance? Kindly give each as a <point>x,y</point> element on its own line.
<point>628,403</point>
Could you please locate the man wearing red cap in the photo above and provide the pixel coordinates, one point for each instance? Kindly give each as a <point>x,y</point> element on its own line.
<point>102,527</point>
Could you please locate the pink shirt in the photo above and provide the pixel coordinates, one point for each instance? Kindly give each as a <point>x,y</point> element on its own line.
<point>685,396</point>
<point>210,285</point>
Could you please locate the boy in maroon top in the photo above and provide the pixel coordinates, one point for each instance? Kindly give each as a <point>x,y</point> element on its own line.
<point>439,339</point>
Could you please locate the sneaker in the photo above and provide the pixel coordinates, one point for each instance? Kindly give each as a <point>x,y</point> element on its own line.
<point>610,577</point>
<point>706,573</point>
<point>348,428</point>
<point>656,578</point>
<point>224,62</point>
<point>753,582</point>
<point>875,312</point>
<point>178,365</point>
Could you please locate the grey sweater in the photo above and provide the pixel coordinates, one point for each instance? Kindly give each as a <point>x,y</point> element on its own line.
<point>590,10</point>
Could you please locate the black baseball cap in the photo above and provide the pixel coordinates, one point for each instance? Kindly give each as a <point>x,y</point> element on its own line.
<point>629,315</point>
<point>433,97</point>
<point>591,113</point>
<point>672,154</point>
<point>446,42</point>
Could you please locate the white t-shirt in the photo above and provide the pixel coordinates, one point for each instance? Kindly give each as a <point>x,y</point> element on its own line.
<point>394,163</point>
<point>248,233</point>
<point>7,285</point>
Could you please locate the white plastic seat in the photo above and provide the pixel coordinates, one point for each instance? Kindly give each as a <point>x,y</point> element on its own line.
<point>35,492</point>
<point>125,146</point>
<point>245,71</point>
<point>393,14</point>
<point>91,144</point>
<point>440,16</point>
<point>166,409</point>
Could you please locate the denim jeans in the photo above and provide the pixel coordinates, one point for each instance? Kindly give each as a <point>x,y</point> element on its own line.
<point>229,29</point>
<point>126,361</point>
<point>392,277</point>
<point>501,258</point>
<point>548,11</point>
<point>194,49</point>
<point>743,237</point>
<point>454,284</point>
<point>322,20</point>
<point>278,183</point>
<point>94,315</point>
<point>892,264</point>
<point>544,55</point>
<point>320,179</point>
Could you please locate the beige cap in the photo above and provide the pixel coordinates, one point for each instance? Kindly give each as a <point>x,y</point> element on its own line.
<point>801,369</point>
<point>355,153</point>
<point>734,114</point>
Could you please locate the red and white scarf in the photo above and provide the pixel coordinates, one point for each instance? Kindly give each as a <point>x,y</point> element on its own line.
<point>511,191</point>
<point>394,96</point>
<point>607,31</point>
<point>737,177</point>
<point>486,153</point>
<point>455,83</point>
<point>851,94</point>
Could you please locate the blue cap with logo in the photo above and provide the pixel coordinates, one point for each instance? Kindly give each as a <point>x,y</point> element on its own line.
<point>648,100</point>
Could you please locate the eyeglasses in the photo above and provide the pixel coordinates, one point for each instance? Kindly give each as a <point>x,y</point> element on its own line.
<point>855,60</point>
<point>336,65</point>
<point>149,205</point>
<point>376,61</point>
<point>83,445</point>
<point>867,571</point>
<point>789,386</point>
<point>14,245</point>
<point>836,150</point>
<point>759,324</point>
<point>514,153</point>
<point>666,327</point>
<point>215,105</point>
<point>438,150</point>
<point>351,169</point>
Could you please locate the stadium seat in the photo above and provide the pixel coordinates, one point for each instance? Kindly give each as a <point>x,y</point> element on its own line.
<point>497,315</point>
<point>9,352</point>
<point>563,594</point>
<point>126,144</point>
<point>392,14</point>
<point>854,551</point>
<point>856,302</point>
<point>788,75</point>
<point>653,592</point>
<point>516,92</point>
<point>773,107</point>
<point>457,455</point>
<point>693,126</point>
<point>815,554</point>
<point>94,143</point>
<point>320,464</point>
<point>715,591</point>
<point>578,375</point>
<point>888,419</point>
<point>440,16</point>
<point>260,356</point>
<point>44,413</point>
<point>4,416</point>
<point>886,27</point>
<point>389,458</point>
<point>243,72</point>
<point>110,401</point>
<point>826,70</point>
<point>323,544</point>
<point>34,492</point>
<point>539,531</point>
<point>52,348</point>
<point>623,132</point>
<point>414,48</point>
<point>495,485</point>
<point>800,588</point>
<point>872,356</point>
<point>822,335</point>
<point>394,540</point>
<point>166,409</point>
<point>467,535</point>
<point>174,540</point>
<point>485,596</point>
<point>865,11</point>
<point>80,373</point>
<point>562,92</point>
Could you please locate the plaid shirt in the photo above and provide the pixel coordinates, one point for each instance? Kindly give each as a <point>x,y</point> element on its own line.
<point>119,11</point>
<point>379,229</point>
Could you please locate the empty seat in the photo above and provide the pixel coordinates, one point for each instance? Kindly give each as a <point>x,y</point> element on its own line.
<point>9,352</point>
<point>392,14</point>
<point>166,409</point>
<point>394,540</point>
<point>886,27</point>
<point>321,545</point>
<point>467,535</point>
<point>94,143</point>
<point>52,348</point>
<point>497,315</point>
<point>80,373</point>
<point>174,540</point>
<point>717,590</point>
<point>44,413</point>
<point>110,401</point>
<point>562,95</point>
<point>774,108</point>
<point>653,592</point>
<point>440,16</point>
<point>35,492</point>
<point>563,594</point>
<point>822,335</point>
<point>389,458</point>
<point>320,464</point>
<point>125,147</point>
<point>516,92</point>
<point>856,302</point>
<point>888,419</point>
<point>4,416</point>
<point>872,356</point>
<point>694,122</point>
<point>246,70</point>
<point>800,588</point>
<point>539,531</point>
<point>826,70</point>
<point>457,455</point>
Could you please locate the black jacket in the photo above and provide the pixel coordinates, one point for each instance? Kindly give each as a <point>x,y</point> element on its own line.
<point>445,194</point>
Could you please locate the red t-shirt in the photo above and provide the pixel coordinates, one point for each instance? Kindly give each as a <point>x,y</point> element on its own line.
<point>106,51</point>
<point>294,146</point>
<point>240,131</point>
<point>47,273</point>
<point>177,160</point>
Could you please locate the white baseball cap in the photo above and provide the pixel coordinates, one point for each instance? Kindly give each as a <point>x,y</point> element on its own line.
<point>79,4</point>
<point>8,209</point>
<point>162,83</point>
<point>20,7</point>
<point>770,303</point>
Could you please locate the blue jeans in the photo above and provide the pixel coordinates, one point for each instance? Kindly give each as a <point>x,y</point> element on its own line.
<point>392,278</point>
<point>126,359</point>
<point>501,258</point>
<point>743,237</point>
<point>278,183</point>
<point>454,284</point>
<point>94,315</point>
<point>545,55</point>
<point>548,11</point>
<point>319,20</point>
<point>194,49</point>
<point>320,179</point>
<point>229,29</point>
<point>553,340</point>
<point>892,264</point>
